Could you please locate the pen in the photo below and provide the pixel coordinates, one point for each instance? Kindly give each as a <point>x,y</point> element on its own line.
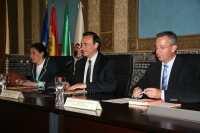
<point>141,94</point>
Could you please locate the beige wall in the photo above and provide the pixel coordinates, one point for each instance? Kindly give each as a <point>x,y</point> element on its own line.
<point>120,17</point>
<point>120,25</point>
<point>94,16</point>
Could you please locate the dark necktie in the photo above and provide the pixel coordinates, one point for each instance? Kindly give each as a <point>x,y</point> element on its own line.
<point>164,78</point>
<point>88,72</point>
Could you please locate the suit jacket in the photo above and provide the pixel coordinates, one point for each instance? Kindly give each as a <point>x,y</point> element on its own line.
<point>48,70</point>
<point>183,85</point>
<point>103,80</point>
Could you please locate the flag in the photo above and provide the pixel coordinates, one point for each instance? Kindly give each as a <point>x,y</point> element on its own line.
<point>79,25</point>
<point>66,46</point>
<point>45,31</point>
<point>53,34</point>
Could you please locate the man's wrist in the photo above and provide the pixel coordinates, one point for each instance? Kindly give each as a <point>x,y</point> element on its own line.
<point>132,96</point>
<point>163,95</point>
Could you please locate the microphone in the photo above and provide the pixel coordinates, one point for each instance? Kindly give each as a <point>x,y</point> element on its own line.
<point>63,68</point>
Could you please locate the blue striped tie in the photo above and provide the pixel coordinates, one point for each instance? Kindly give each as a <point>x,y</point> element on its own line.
<point>164,78</point>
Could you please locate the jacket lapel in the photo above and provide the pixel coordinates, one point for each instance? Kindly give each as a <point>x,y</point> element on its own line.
<point>44,69</point>
<point>174,72</point>
<point>96,67</point>
<point>82,69</point>
<point>158,74</point>
<point>34,72</point>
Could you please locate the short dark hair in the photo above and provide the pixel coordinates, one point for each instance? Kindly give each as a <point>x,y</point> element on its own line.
<point>96,38</point>
<point>172,36</point>
<point>40,48</point>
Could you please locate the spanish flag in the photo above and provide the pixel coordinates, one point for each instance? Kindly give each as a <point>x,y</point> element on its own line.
<point>53,34</point>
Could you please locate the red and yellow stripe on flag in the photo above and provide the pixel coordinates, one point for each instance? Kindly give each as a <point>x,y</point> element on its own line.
<point>53,34</point>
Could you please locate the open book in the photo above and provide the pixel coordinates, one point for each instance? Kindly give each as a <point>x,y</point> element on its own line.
<point>145,102</point>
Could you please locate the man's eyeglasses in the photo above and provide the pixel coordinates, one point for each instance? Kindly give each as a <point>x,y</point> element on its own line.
<point>161,47</point>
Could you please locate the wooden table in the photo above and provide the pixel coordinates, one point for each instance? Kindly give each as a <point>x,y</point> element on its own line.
<point>39,114</point>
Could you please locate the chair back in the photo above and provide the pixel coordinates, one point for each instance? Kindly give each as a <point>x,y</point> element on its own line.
<point>124,72</point>
<point>61,63</point>
<point>194,59</point>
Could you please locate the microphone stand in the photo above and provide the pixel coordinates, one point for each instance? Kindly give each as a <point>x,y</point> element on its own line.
<point>63,68</point>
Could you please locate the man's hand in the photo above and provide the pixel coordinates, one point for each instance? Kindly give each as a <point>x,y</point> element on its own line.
<point>153,92</point>
<point>67,85</point>
<point>136,92</point>
<point>78,86</point>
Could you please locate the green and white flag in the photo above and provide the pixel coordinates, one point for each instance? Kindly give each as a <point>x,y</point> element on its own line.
<point>66,46</point>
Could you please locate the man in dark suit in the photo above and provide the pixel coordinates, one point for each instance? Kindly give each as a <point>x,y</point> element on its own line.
<point>172,78</point>
<point>94,71</point>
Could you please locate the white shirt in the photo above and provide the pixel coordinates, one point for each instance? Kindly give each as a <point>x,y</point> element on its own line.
<point>39,67</point>
<point>38,71</point>
<point>169,68</point>
<point>93,59</point>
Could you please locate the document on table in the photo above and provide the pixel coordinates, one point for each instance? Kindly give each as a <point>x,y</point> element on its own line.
<point>120,100</point>
<point>20,87</point>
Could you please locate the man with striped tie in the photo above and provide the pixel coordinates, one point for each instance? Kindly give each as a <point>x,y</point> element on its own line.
<point>172,78</point>
<point>94,72</point>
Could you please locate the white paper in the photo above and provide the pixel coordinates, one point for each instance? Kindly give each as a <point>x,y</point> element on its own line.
<point>120,100</point>
<point>167,105</point>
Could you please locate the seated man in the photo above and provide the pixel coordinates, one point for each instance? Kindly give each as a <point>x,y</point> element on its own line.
<point>94,71</point>
<point>172,78</point>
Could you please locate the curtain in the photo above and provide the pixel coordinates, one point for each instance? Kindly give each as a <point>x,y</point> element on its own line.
<point>2,36</point>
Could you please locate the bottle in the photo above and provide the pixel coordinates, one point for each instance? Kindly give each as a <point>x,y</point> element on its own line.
<point>59,92</point>
<point>1,87</point>
<point>2,82</point>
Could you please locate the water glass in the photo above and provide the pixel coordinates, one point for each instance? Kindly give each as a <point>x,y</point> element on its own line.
<point>7,80</point>
<point>4,79</point>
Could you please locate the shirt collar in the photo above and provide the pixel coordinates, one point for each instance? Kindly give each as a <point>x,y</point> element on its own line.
<point>170,63</point>
<point>93,59</point>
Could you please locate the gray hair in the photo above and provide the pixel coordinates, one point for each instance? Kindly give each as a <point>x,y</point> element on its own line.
<point>172,36</point>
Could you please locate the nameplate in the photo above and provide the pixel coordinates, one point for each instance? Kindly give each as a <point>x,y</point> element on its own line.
<point>12,94</point>
<point>84,111</point>
<point>82,104</point>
